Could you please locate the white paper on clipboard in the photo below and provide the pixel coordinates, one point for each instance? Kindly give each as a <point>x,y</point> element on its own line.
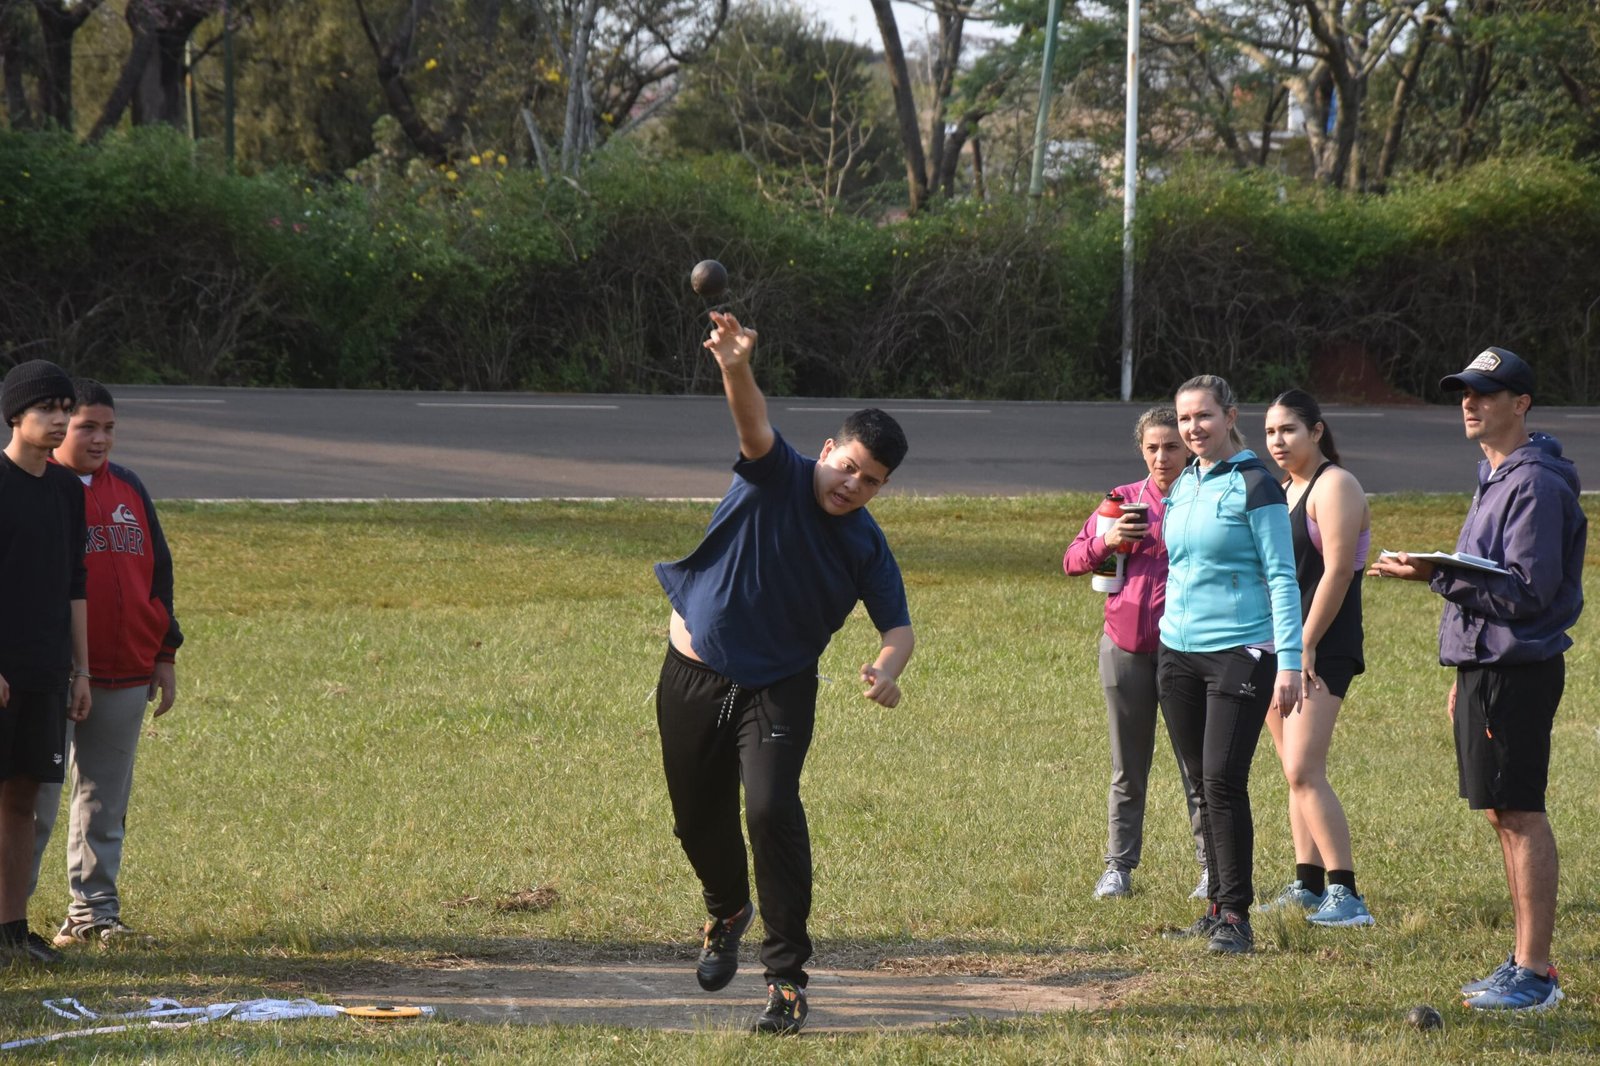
<point>1457,559</point>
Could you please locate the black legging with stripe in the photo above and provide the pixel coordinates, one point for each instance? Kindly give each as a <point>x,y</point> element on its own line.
<point>715,733</point>
<point>1215,704</point>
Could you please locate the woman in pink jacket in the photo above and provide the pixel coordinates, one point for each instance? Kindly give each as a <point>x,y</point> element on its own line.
<point>1128,649</point>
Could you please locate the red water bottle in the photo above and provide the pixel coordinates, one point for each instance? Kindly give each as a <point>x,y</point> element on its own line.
<point>1108,575</point>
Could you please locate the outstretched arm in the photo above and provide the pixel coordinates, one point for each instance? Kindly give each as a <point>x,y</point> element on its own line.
<point>733,346</point>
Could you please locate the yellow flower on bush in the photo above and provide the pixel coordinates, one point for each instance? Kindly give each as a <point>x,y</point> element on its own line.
<point>501,159</point>
<point>477,161</point>
<point>432,64</point>
<point>451,175</point>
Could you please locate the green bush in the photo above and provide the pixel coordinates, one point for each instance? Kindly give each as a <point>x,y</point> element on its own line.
<point>143,259</point>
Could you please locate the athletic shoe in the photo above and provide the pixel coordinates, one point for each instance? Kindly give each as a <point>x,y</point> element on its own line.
<point>1295,894</point>
<point>1202,889</point>
<point>30,947</point>
<point>719,954</point>
<point>1113,883</point>
<point>1200,930</point>
<point>1340,908</point>
<point>1232,935</point>
<point>1483,984</point>
<point>786,1009</point>
<point>1519,989</point>
<point>96,930</point>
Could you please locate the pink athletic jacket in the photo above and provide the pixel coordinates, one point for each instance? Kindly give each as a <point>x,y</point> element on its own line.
<point>1134,614</point>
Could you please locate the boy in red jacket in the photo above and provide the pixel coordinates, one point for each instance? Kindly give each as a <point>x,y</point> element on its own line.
<point>133,635</point>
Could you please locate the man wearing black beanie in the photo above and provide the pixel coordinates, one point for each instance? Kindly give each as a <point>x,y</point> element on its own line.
<point>44,627</point>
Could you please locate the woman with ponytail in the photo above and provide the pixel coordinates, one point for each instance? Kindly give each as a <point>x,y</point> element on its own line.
<point>1332,528</point>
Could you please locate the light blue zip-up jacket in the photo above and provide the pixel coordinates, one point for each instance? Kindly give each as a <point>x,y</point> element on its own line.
<point>1231,579</point>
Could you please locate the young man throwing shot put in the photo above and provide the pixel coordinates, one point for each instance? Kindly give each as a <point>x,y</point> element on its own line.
<point>44,628</point>
<point>789,552</point>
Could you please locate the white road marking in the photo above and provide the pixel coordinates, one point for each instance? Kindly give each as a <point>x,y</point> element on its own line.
<point>531,406</point>
<point>163,399</point>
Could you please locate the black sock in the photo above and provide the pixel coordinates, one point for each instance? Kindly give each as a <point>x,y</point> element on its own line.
<point>14,932</point>
<point>1347,878</point>
<point>1310,877</point>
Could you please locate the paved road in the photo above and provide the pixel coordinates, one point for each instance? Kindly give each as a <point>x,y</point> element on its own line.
<point>283,443</point>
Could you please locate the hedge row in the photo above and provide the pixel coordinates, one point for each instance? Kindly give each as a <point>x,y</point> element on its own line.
<point>138,260</point>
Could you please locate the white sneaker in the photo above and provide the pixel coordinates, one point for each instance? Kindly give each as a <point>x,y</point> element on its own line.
<point>1113,883</point>
<point>1202,890</point>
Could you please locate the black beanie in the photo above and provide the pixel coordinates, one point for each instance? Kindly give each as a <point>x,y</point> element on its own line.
<point>28,383</point>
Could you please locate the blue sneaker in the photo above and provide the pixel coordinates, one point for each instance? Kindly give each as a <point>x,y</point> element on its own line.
<point>1520,989</point>
<point>1483,984</point>
<point>1340,907</point>
<point>1295,894</point>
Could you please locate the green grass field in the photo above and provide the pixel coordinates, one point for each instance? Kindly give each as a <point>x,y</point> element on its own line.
<point>386,710</point>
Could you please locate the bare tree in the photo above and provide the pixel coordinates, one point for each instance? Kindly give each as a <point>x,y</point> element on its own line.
<point>59,20</point>
<point>151,80</point>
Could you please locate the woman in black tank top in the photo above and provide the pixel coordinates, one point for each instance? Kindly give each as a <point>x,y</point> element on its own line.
<point>1331,524</point>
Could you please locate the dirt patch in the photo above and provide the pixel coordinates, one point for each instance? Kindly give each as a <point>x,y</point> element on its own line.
<point>897,993</point>
<point>1346,372</point>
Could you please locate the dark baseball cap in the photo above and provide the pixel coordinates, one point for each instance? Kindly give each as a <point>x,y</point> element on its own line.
<point>1494,369</point>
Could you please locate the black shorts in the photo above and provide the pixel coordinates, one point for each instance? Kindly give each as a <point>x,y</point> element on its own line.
<point>1503,720</point>
<point>1336,672</point>
<point>33,735</point>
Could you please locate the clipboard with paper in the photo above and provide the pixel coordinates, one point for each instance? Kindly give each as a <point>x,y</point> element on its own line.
<point>1456,559</point>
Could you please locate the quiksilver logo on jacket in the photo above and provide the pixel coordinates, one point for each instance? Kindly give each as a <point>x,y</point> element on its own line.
<point>122,534</point>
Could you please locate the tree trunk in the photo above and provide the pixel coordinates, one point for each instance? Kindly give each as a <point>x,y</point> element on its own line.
<point>978,188</point>
<point>574,129</point>
<point>18,114</point>
<point>1389,155</point>
<point>144,46</point>
<point>57,24</point>
<point>905,107</point>
<point>158,99</point>
<point>952,22</point>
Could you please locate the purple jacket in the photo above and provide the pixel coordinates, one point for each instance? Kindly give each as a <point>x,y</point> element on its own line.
<point>1133,615</point>
<point>1525,516</point>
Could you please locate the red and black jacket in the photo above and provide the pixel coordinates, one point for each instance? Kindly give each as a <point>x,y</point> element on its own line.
<point>131,622</point>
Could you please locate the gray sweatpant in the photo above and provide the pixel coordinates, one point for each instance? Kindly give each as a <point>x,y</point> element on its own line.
<point>1129,681</point>
<point>100,753</point>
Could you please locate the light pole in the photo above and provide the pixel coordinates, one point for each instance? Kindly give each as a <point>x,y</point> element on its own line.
<point>1130,184</point>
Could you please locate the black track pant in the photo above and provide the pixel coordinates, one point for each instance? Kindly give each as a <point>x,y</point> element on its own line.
<point>716,733</point>
<point>1215,704</point>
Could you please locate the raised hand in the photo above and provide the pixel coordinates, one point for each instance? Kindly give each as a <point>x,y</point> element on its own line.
<point>731,344</point>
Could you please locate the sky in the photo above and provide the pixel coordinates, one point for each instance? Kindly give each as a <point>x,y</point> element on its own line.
<point>853,19</point>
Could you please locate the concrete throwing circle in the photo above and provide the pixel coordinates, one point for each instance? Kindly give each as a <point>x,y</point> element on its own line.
<point>660,995</point>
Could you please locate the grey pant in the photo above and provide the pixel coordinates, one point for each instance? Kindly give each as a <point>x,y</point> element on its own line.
<point>99,779</point>
<point>1129,680</point>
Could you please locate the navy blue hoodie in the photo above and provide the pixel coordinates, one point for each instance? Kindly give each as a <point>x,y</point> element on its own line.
<point>1525,516</point>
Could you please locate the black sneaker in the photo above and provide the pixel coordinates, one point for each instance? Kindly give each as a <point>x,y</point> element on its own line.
<point>719,955</point>
<point>29,947</point>
<point>1200,930</point>
<point>1232,935</point>
<point>786,1009</point>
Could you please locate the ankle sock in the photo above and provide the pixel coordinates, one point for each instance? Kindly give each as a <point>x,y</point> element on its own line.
<point>1347,878</point>
<point>1311,877</point>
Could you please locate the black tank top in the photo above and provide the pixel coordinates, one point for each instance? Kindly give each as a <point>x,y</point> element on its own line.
<point>1343,638</point>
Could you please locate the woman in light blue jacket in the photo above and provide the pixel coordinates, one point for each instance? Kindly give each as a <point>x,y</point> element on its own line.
<point>1230,638</point>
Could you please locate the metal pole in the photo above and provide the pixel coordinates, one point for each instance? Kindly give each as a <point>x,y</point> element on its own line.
<point>1130,184</point>
<point>1036,185</point>
<point>227,82</point>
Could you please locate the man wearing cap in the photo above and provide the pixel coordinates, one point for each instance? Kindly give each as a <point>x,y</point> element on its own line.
<point>1505,633</point>
<point>44,627</point>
